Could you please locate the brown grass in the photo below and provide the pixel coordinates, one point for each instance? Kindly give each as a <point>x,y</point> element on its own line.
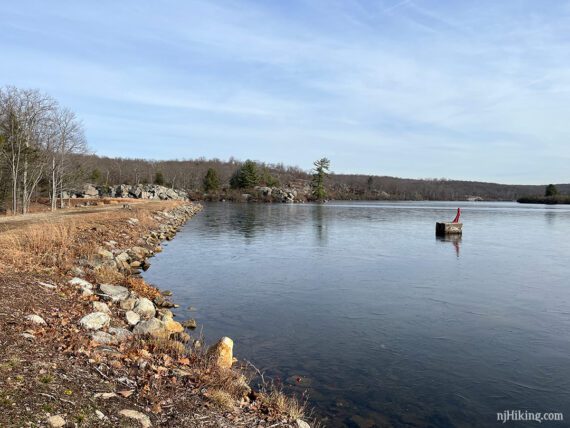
<point>41,246</point>
<point>139,286</point>
<point>107,275</point>
<point>282,404</point>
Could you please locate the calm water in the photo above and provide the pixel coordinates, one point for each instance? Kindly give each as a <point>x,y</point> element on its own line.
<point>385,324</point>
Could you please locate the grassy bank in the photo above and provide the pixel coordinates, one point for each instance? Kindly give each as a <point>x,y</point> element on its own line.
<point>52,274</point>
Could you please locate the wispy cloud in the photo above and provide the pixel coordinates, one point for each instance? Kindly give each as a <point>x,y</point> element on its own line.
<point>411,88</point>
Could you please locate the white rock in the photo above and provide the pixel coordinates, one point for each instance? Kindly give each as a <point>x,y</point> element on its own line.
<point>101,307</point>
<point>132,318</point>
<point>302,424</point>
<point>36,319</point>
<point>100,415</point>
<point>85,286</point>
<point>81,283</point>
<point>95,321</point>
<point>116,293</point>
<point>145,308</point>
<point>143,419</point>
<point>47,285</point>
<point>56,421</point>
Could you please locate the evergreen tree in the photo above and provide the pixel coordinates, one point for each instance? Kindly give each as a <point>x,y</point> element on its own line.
<point>211,181</point>
<point>551,190</point>
<point>246,177</point>
<point>320,172</point>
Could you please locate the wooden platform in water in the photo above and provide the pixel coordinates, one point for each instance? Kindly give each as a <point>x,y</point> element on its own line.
<point>442,229</point>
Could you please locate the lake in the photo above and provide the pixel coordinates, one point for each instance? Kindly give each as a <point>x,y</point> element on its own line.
<point>383,324</point>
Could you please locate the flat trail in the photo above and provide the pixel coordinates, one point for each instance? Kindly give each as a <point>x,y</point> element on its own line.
<point>15,222</point>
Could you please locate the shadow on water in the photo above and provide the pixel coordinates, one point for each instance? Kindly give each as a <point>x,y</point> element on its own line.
<point>454,240</point>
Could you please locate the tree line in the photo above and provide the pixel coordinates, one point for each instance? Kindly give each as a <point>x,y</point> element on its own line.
<point>44,155</point>
<point>37,139</point>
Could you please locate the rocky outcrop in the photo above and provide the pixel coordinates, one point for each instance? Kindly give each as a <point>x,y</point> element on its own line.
<point>282,194</point>
<point>139,191</point>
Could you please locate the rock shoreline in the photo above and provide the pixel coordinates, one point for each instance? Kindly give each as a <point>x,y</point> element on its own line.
<point>135,319</point>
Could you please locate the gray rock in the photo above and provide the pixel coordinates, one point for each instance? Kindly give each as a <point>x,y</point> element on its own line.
<point>132,318</point>
<point>120,334</point>
<point>145,308</point>
<point>141,418</point>
<point>105,254</point>
<point>123,261</point>
<point>153,327</point>
<point>36,319</point>
<point>115,293</point>
<point>95,321</point>
<point>191,324</point>
<point>102,337</point>
<point>128,304</point>
<point>101,307</point>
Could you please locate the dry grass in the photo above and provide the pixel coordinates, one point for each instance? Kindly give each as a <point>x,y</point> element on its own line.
<point>42,246</point>
<point>139,286</point>
<point>282,404</point>
<point>107,275</point>
<point>221,399</point>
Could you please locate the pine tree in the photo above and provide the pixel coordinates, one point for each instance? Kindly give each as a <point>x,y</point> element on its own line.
<point>320,172</point>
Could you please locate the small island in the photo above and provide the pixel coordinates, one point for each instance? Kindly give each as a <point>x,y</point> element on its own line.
<point>551,197</point>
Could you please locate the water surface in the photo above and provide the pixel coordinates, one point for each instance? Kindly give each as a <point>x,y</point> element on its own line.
<point>384,324</point>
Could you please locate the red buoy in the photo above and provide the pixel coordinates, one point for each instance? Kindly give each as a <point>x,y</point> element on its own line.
<point>456,219</point>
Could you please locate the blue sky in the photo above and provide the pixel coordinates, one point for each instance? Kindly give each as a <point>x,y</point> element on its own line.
<point>420,88</point>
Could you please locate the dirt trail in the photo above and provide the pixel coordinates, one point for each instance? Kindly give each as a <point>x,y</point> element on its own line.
<point>15,222</point>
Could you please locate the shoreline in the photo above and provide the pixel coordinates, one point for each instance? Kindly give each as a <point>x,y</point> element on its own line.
<point>88,302</point>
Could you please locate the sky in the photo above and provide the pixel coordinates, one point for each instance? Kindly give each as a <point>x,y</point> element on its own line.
<point>476,90</point>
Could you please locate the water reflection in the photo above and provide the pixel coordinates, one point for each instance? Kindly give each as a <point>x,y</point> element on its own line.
<point>244,221</point>
<point>319,224</point>
<point>455,240</point>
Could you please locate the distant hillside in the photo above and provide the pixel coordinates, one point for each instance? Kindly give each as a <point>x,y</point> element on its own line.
<point>189,174</point>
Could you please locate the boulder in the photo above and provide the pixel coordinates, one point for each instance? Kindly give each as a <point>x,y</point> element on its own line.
<point>120,334</point>
<point>95,321</point>
<point>173,326</point>
<point>222,353</point>
<point>152,327</point>
<point>128,304</point>
<point>115,293</point>
<point>90,191</point>
<point>145,308</point>
<point>191,324</point>
<point>132,318</point>
<point>102,337</point>
<point>123,260</point>
<point>101,307</point>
